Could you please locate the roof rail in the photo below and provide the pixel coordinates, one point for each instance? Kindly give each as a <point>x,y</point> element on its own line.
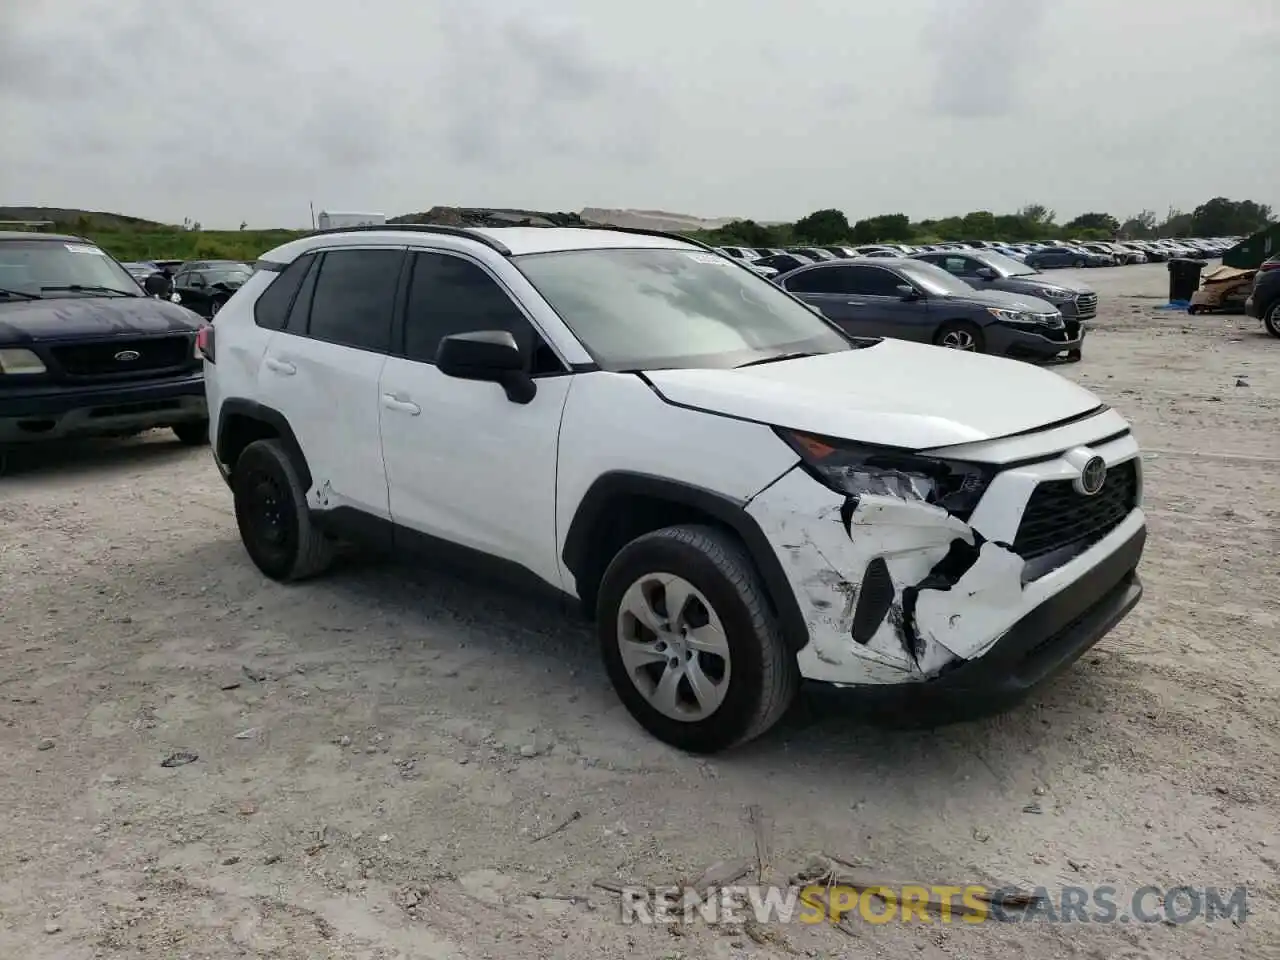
<point>647,232</point>
<point>501,248</point>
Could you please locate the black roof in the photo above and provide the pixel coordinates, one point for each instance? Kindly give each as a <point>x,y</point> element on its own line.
<point>32,235</point>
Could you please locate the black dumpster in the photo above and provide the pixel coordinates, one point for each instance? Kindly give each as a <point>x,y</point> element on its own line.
<point>1184,278</point>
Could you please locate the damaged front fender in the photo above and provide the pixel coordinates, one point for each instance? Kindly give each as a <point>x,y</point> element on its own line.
<point>953,590</point>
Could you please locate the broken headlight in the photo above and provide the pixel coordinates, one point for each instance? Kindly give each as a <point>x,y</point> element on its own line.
<point>855,469</point>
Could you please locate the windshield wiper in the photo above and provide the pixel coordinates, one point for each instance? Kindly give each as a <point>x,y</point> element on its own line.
<point>19,293</point>
<point>89,288</point>
<point>775,358</point>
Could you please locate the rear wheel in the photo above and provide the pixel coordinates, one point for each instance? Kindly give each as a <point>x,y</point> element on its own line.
<point>1272,320</point>
<point>689,641</point>
<point>272,514</point>
<point>960,335</point>
<point>1077,264</point>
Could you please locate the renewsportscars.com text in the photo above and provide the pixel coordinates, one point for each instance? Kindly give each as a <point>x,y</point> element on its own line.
<point>933,904</point>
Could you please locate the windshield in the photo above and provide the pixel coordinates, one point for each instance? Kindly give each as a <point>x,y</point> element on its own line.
<point>47,267</point>
<point>934,280</point>
<point>669,308</point>
<point>1005,266</point>
<point>233,275</point>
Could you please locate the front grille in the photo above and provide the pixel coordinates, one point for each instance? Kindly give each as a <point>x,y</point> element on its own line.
<point>126,358</point>
<point>1057,516</point>
<point>1087,305</point>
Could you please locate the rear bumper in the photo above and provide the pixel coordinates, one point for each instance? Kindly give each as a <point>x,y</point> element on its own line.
<point>51,414</point>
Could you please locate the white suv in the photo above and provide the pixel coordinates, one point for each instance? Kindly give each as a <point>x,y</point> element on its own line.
<point>741,494</point>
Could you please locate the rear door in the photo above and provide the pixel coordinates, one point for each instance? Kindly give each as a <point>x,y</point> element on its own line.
<point>321,372</point>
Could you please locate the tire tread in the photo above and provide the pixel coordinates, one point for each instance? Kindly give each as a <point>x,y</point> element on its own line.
<point>780,674</point>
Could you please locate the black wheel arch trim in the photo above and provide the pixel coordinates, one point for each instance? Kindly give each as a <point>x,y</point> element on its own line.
<point>595,506</point>
<point>277,421</point>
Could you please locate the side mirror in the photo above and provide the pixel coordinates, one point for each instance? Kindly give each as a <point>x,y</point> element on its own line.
<point>155,284</point>
<point>488,355</point>
<point>908,291</point>
<point>986,273</point>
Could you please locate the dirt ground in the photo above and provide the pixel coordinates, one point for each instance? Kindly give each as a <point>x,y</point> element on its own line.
<point>381,752</point>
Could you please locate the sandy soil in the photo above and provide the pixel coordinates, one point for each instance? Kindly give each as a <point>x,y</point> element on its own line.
<point>380,752</point>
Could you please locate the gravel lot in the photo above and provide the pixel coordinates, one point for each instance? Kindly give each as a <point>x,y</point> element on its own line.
<point>380,752</point>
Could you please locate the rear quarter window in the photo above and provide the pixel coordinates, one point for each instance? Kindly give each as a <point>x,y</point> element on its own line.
<point>271,311</point>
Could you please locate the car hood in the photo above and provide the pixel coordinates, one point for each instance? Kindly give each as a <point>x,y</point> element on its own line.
<point>1042,280</point>
<point>894,393</point>
<point>28,321</point>
<point>1005,299</point>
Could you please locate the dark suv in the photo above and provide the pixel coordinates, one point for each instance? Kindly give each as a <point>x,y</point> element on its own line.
<point>83,350</point>
<point>909,299</point>
<point>988,270</point>
<point>1264,298</point>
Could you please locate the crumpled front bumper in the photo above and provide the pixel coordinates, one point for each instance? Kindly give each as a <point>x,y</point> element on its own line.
<point>954,594</point>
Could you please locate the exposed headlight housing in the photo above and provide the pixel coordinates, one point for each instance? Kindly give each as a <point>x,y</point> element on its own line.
<point>15,361</point>
<point>1056,294</point>
<point>1027,319</point>
<point>856,469</point>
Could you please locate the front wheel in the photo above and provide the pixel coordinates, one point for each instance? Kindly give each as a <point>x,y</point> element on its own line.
<point>960,335</point>
<point>1272,320</point>
<point>1077,264</point>
<point>689,640</point>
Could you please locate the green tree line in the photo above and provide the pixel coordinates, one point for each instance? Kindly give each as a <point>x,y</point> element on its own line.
<point>1219,217</point>
<point>1215,218</point>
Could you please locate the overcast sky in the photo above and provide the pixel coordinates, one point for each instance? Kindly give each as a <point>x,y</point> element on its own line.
<point>249,109</point>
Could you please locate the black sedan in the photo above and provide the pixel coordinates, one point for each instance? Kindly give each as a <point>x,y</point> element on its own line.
<point>206,285</point>
<point>912,300</point>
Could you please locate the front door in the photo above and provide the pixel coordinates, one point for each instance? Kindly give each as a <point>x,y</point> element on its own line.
<point>464,463</point>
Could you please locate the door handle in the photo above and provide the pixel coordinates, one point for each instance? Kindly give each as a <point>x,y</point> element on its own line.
<point>854,303</point>
<point>281,366</point>
<point>392,402</point>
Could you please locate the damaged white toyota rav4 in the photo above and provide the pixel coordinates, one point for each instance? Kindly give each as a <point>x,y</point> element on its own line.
<point>740,494</point>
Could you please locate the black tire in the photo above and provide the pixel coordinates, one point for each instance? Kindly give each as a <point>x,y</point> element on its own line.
<point>959,330</point>
<point>1271,319</point>
<point>1078,264</point>
<point>195,433</point>
<point>271,512</point>
<point>215,305</point>
<point>764,678</point>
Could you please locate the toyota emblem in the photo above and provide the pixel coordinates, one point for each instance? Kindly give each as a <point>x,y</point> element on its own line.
<point>1092,476</point>
<point>128,356</point>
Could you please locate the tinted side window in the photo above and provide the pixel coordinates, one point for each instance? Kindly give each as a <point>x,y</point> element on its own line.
<point>297,322</point>
<point>873,282</point>
<point>449,295</point>
<point>355,294</point>
<point>271,310</point>
<point>817,281</point>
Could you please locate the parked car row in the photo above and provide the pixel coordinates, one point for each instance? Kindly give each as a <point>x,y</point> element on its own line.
<point>1043,255</point>
<point>203,286</point>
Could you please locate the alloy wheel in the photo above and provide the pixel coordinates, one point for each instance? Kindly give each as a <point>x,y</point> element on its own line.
<point>673,647</point>
<point>959,340</point>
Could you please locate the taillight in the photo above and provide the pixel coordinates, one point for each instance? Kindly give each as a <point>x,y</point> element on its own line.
<point>204,342</point>
<point>1269,265</point>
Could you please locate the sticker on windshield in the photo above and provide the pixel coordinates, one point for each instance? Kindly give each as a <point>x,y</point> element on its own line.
<point>84,248</point>
<point>709,258</point>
